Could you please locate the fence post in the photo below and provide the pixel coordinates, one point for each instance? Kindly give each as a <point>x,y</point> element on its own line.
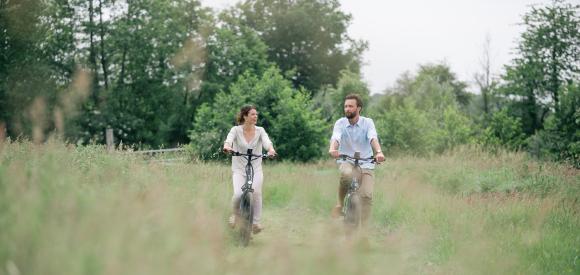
<point>110,140</point>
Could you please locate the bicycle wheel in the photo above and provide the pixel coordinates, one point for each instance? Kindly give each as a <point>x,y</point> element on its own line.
<point>246,217</point>
<point>352,215</point>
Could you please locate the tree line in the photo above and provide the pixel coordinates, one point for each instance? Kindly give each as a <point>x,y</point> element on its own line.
<point>162,73</point>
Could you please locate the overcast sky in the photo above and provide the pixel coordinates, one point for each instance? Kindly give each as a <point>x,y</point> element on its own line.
<point>403,34</point>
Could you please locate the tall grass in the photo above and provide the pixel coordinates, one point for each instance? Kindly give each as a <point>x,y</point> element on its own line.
<point>81,210</point>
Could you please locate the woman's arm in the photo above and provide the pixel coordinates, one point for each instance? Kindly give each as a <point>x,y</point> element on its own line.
<point>229,143</point>
<point>267,143</point>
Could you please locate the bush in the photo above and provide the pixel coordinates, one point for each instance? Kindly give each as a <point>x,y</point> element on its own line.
<point>427,120</point>
<point>404,128</point>
<point>298,132</point>
<point>504,130</point>
<point>454,129</point>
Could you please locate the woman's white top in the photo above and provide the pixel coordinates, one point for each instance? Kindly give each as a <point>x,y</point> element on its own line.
<point>237,141</point>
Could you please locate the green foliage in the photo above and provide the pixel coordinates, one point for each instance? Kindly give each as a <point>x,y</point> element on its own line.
<point>138,67</point>
<point>148,65</point>
<point>146,78</point>
<point>297,131</point>
<point>148,69</point>
<point>428,94</point>
<point>546,61</point>
<point>540,86</point>
<point>308,37</point>
<point>560,140</point>
<point>503,130</point>
<point>27,82</point>
<point>433,87</point>
<point>422,113</point>
<point>454,129</point>
<point>231,50</point>
<point>410,129</point>
<point>404,128</point>
<point>331,100</point>
<point>441,74</point>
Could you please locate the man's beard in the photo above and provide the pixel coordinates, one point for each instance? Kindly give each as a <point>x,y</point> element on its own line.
<point>349,115</point>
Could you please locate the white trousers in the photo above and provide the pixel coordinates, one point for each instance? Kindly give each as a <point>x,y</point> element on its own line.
<point>239,179</point>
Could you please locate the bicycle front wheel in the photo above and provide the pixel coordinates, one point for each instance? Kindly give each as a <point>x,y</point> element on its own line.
<point>246,217</point>
<point>353,213</point>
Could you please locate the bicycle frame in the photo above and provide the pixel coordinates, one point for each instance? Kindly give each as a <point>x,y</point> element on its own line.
<point>351,204</point>
<point>247,187</point>
<point>246,200</point>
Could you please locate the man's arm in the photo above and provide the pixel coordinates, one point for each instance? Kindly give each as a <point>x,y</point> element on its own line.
<point>333,150</point>
<point>378,152</point>
<point>335,140</point>
<point>372,135</point>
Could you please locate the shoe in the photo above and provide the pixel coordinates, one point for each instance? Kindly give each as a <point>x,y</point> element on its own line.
<point>256,228</point>
<point>336,211</point>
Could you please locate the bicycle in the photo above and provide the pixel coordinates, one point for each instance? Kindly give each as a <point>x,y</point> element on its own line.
<point>351,208</point>
<point>245,211</point>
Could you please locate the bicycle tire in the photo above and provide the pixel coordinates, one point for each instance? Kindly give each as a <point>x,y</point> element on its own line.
<point>246,217</point>
<point>353,212</point>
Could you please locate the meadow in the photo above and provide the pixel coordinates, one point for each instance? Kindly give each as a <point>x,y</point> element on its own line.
<point>81,210</point>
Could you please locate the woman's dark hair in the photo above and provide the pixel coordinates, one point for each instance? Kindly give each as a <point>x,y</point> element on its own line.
<point>244,112</point>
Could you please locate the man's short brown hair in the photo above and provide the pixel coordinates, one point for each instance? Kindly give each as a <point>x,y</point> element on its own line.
<point>359,102</point>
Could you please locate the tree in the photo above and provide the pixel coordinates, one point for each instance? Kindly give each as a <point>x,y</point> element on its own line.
<point>150,65</point>
<point>441,73</point>
<point>232,50</point>
<point>563,127</point>
<point>421,114</point>
<point>26,77</point>
<point>306,37</point>
<point>547,59</point>
<point>560,138</point>
<point>484,78</point>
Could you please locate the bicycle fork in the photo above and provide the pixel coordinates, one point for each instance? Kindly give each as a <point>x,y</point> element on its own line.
<point>352,189</point>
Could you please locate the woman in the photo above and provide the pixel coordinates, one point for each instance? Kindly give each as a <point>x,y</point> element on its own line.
<point>241,138</point>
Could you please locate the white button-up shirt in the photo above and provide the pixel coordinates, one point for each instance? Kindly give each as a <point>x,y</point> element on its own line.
<point>355,138</point>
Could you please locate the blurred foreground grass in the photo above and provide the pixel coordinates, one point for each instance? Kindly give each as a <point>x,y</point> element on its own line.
<point>79,210</point>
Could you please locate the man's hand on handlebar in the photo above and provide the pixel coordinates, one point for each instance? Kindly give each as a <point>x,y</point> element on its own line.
<point>334,153</point>
<point>380,157</point>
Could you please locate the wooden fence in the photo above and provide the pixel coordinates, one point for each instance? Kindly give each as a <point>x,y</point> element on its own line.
<point>165,156</point>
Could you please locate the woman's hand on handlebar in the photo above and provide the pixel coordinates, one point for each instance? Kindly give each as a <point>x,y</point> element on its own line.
<point>272,153</point>
<point>227,149</point>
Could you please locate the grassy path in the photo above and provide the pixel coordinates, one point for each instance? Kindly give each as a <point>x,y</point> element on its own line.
<point>67,210</point>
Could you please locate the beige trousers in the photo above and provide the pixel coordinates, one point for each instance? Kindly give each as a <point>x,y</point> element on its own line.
<point>366,182</point>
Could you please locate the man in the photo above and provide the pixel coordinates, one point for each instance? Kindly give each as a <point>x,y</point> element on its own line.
<point>354,133</point>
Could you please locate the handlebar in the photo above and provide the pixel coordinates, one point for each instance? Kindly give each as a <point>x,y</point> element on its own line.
<point>345,157</point>
<point>252,156</point>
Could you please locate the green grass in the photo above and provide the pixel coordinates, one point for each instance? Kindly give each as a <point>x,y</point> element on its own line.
<point>81,210</point>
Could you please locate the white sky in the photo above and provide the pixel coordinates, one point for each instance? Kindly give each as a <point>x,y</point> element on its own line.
<point>405,33</point>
